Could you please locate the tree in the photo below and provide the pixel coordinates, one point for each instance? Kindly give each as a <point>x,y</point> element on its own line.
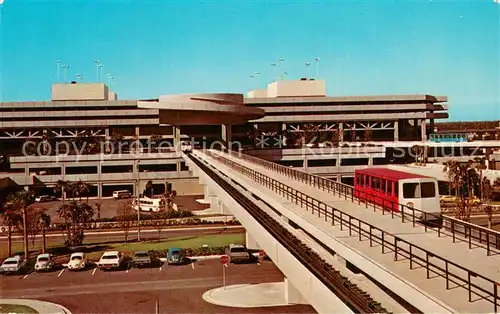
<point>75,216</point>
<point>154,141</point>
<point>125,218</point>
<point>353,134</point>
<point>44,221</point>
<point>418,152</point>
<point>367,135</point>
<point>336,138</point>
<point>464,179</point>
<point>149,190</point>
<point>11,219</point>
<point>168,200</point>
<point>160,221</point>
<point>20,202</point>
<point>480,164</point>
<point>33,224</point>
<point>61,187</point>
<point>98,209</point>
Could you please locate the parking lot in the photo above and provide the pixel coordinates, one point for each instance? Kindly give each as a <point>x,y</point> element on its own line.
<point>178,288</point>
<point>109,206</point>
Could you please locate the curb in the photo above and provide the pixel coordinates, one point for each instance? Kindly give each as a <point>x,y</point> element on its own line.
<point>39,306</point>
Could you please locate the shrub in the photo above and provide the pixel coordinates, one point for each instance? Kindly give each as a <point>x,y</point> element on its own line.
<point>199,251</point>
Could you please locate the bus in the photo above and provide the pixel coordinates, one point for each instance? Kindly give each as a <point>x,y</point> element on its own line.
<point>390,188</point>
<point>147,204</point>
<point>449,138</point>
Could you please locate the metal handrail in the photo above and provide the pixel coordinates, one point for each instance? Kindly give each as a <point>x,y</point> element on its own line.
<point>366,230</point>
<point>483,237</point>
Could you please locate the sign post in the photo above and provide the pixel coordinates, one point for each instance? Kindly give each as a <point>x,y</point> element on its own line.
<point>223,260</point>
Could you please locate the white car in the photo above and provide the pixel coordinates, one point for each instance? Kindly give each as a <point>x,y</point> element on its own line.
<point>110,260</point>
<point>44,262</point>
<point>77,261</point>
<point>12,264</point>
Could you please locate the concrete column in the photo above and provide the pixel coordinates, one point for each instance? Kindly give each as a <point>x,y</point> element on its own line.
<point>370,161</point>
<point>341,132</point>
<point>396,131</point>
<point>256,129</point>
<point>178,167</point>
<point>423,130</point>
<point>177,138</point>
<point>283,129</point>
<point>227,135</point>
<point>107,138</point>
<point>27,170</point>
<point>305,161</point>
<point>251,244</point>
<point>339,178</point>
<point>99,190</point>
<point>292,295</point>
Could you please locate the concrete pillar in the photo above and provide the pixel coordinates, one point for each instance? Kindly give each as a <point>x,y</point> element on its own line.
<point>256,131</point>
<point>107,139</point>
<point>396,131</point>
<point>227,135</point>
<point>292,295</point>
<point>304,161</point>
<point>339,178</point>
<point>178,167</point>
<point>285,219</point>
<point>341,132</point>
<point>370,161</point>
<point>177,138</point>
<point>99,190</point>
<point>251,244</point>
<point>283,138</point>
<point>423,130</point>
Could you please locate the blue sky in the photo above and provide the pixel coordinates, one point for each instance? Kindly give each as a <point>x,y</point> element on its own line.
<point>160,47</point>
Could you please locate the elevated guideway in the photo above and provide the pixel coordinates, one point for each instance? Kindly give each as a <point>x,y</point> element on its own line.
<point>433,270</point>
<point>308,276</point>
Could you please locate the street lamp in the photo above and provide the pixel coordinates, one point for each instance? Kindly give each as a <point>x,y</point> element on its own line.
<point>65,70</point>
<point>58,70</point>
<point>307,64</point>
<point>317,67</point>
<point>97,62</point>
<point>282,60</point>
<point>273,65</point>
<point>138,203</point>
<point>100,67</point>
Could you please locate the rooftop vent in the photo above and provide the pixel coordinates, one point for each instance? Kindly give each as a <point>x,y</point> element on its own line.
<point>73,82</point>
<point>303,79</point>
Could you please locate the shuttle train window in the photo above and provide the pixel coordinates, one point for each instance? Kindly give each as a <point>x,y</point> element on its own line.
<point>428,189</point>
<point>411,190</point>
<point>376,183</point>
<point>389,187</point>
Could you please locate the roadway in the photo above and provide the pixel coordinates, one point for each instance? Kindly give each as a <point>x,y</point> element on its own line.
<point>475,260</point>
<point>118,235</point>
<point>179,289</point>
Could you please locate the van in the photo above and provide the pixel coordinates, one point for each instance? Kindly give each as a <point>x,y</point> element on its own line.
<point>122,194</point>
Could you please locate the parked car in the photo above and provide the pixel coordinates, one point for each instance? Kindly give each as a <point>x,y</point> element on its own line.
<point>45,198</point>
<point>122,194</point>
<point>77,261</point>
<point>237,253</point>
<point>44,262</point>
<point>175,256</point>
<point>141,258</point>
<point>110,260</point>
<point>13,264</point>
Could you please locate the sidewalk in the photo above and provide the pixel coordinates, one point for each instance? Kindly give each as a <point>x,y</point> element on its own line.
<point>248,295</point>
<point>41,307</point>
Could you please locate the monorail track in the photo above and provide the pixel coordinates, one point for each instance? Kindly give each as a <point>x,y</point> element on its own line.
<point>355,298</point>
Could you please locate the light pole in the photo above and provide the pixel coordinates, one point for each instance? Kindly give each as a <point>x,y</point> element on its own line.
<point>110,78</point>
<point>58,70</point>
<point>79,76</point>
<point>100,67</point>
<point>317,67</point>
<point>137,185</point>
<point>282,60</point>
<point>97,62</point>
<point>273,65</point>
<point>307,64</point>
<point>65,70</point>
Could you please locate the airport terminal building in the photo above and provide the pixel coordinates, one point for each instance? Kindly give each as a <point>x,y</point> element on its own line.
<point>90,121</point>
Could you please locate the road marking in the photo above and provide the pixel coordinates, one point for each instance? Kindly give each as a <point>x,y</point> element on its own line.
<point>160,268</point>
<point>192,265</point>
<point>62,271</point>
<point>26,276</point>
<point>225,265</point>
<point>258,264</point>
<point>94,271</point>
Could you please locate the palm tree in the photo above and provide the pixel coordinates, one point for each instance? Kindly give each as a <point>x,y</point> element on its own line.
<point>44,221</point>
<point>20,201</point>
<point>61,187</point>
<point>417,151</point>
<point>367,135</point>
<point>480,164</point>
<point>11,219</point>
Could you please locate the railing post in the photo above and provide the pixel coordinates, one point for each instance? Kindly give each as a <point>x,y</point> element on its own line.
<point>341,221</point>
<point>453,230</point>
<point>402,213</point>
<point>495,298</point>
<point>468,282</point>
<point>470,237</point>
<point>446,274</point>
<point>425,220</point>
<point>371,236</point>
<point>427,263</point>
<point>487,244</point>
<point>395,248</point>
<point>359,229</point>
<point>333,216</point>
<point>383,242</point>
<point>413,218</point>
<point>326,211</point>
<point>411,258</point>
<point>350,231</point>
